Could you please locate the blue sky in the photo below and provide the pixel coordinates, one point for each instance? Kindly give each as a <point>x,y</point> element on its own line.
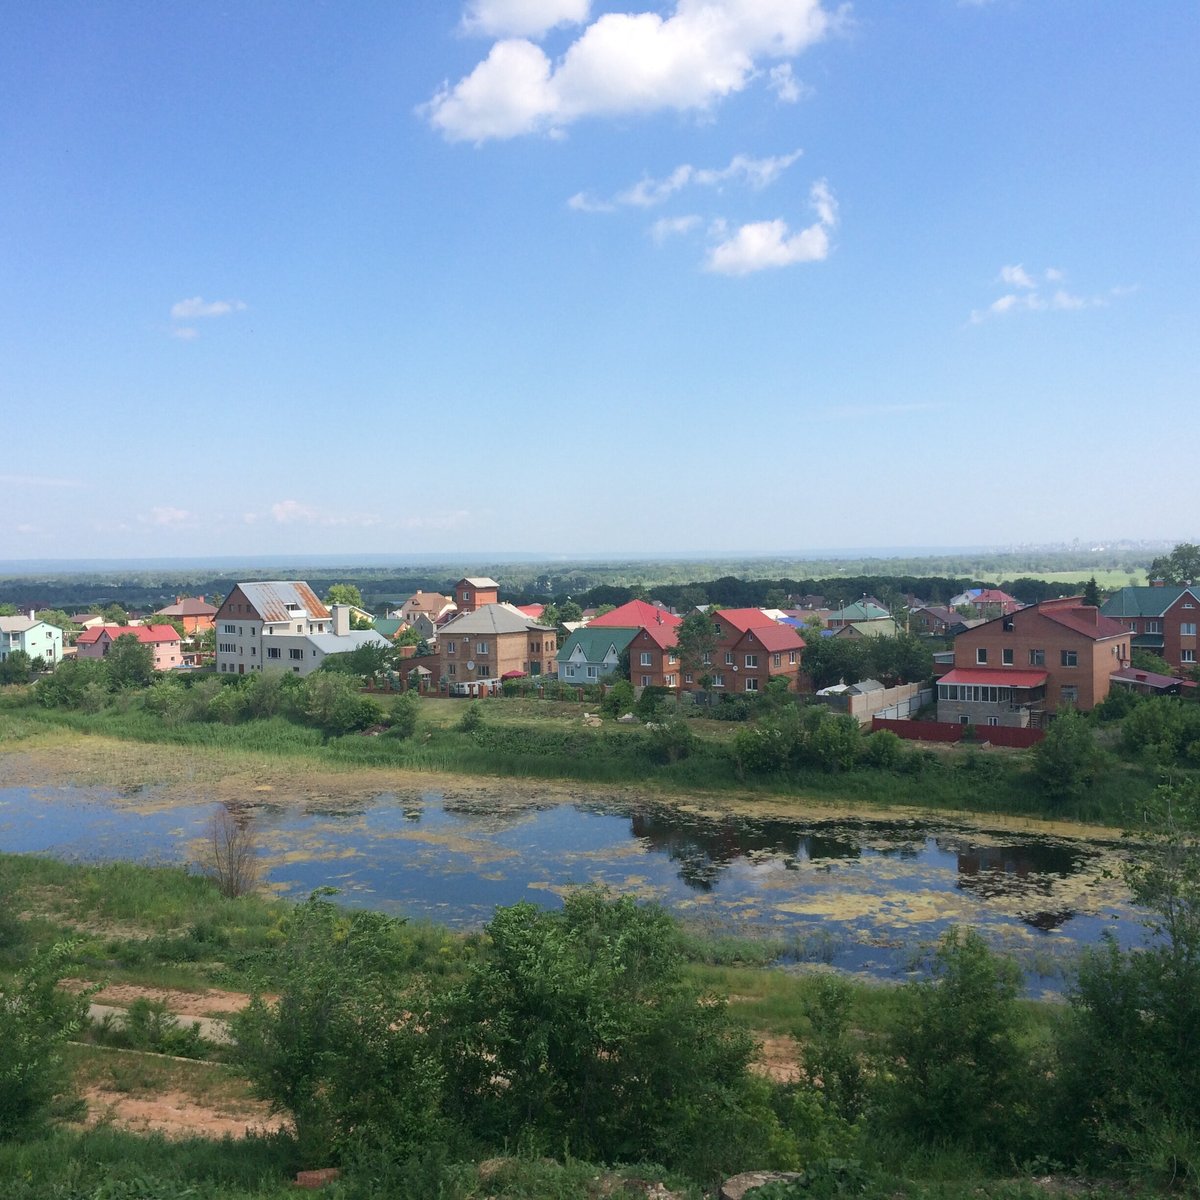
<point>566,278</point>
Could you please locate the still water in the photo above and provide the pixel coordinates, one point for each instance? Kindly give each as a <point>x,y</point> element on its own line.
<point>869,896</point>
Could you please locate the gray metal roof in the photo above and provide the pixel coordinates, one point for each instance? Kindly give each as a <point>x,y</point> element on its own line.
<point>492,618</point>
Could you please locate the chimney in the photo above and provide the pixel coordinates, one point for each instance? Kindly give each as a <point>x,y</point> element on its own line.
<point>341,619</point>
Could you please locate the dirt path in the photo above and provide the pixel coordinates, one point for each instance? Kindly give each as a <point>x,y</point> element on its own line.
<point>175,1114</point>
<point>212,1002</point>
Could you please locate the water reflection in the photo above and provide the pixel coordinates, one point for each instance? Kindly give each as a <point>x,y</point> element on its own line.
<point>861,894</point>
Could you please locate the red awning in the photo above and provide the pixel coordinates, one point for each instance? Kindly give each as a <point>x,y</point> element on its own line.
<point>995,678</point>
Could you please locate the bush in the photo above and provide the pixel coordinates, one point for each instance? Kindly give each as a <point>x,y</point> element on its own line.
<point>1067,760</point>
<point>472,718</point>
<point>959,1073</point>
<point>619,699</point>
<point>36,1018</point>
<point>403,718</point>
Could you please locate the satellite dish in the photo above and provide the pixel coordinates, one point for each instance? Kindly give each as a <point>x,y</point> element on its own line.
<point>470,664</point>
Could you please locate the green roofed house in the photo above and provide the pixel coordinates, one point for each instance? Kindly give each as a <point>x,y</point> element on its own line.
<point>1162,620</point>
<point>591,654</point>
<point>859,611</point>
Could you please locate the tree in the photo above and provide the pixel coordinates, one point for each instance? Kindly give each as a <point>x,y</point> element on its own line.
<point>1129,1058</point>
<point>344,593</point>
<point>696,639</point>
<point>959,1075</point>
<point>8,610</point>
<point>36,1018</point>
<point>342,1049</point>
<point>1181,566</point>
<point>368,661</point>
<point>1067,760</point>
<point>130,663</point>
<point>1144,660</point>
<point>75,680</point>
<point>581,1032</point>
<point>830,660</point>
<point>904,658</point>
<point>16,667</point>
<point>1091,593</point>
<point>58,618</point>
<point>334,703</point>
<point>114,614</point>
<point>229,856</point>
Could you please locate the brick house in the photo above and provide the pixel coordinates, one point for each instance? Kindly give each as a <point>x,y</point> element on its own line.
<point>493,641</point>
<point>750,650</point>
<point>653,661</point>
<point>1017,667</point>
<point>1162,620</point>
<point>162,639</point>
<point>477,592</point>
<point>431,605</point>
<point>194,613</point>
<point>933,619</point>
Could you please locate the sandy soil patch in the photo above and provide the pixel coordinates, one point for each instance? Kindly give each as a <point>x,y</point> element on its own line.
<point>174,1114</point>
<point>211,1002</point>
<point>778,1060</point>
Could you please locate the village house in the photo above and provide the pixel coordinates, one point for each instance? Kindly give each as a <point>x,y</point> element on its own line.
<point>493,642</point>
<point>163,640</point>
<point>750,650</point>
<point>1161,619</point>
<point>653,659</point>
<point>282,625</point>
<point>195,614</point>
<point>1015,668</point>
<point>471,593</point>
<point>38,639</point>
<point>590,655</point>
<point>431,605</point>
<point>935,620</point>
<point>856,613</point>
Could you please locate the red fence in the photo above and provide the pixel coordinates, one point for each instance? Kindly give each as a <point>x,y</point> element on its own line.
<point>938,731</point>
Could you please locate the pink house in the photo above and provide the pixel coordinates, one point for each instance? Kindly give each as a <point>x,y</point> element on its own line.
<point>162,639</point>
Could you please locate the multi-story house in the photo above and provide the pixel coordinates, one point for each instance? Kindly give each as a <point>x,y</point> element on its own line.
<point>856,613</point>
<point>282,625</point>
<point>750,650</point>
<point>653,658</point>
<point>1017,667</point>
<point>472,593</point>
<point>1162,620</point>
<point>431,605</point>
<point>163,640</point>
<point>194,613</point>
<point>492,642</point>
<point>36,638</point>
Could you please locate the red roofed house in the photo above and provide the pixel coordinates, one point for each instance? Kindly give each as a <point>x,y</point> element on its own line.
<point>162,639</point>
<point>993,602</point>
<point>194,613</point>
<point>751,649</point>
<point>652,658</point>
<point>1015,668</point>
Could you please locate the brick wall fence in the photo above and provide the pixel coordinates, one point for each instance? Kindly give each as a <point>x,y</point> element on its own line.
<point>940,731</point>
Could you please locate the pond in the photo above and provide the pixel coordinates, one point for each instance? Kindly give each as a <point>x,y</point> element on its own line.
<point>869,896</point>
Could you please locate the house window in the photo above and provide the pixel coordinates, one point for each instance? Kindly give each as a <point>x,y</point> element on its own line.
<point>669,680</point>
<point>229,629</point>
<point>777,660</point>
<point>1006,656</point>
<point>646,659</point>
<point>481,647</point>
<point>452,669</point>
<point>672,659</point>
<point>1187,656</point>
<point>1008,625</point>
<point>274,652</point>
<point>1151,626</point>
<point>729,658</point>
<point>645,681</point>
<point>751,660</point>
<point>593,672</point>
<point>295,654</point>
<point>1187,629</point>
<point>791,658</point>
<point>718,680</point>
<point>993,720</point>
<point>449,647</point>
<point>1069,693</point>
<point>1069,658</point>
<point>752,685</point>
<point>466,597</point>
<point>716,629</point>
<point>687,677</point>
<point>706,659</point>
<point>483,671</point>
<point>1037,658</point>
<point>981,655</point>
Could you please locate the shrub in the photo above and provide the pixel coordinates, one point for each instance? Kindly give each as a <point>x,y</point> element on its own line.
<point>1067,760</point>
<point>472,718</point>
<point>403,717</point>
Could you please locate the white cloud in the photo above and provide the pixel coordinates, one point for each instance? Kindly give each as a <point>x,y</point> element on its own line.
<point>185,333</point>
<point>1032,298</point>
<point>197,306</point>
<point>785,85</point>
<point>167,515</point>
<point>288,511</point>
<point>292,512</point>
<point>764,244</point>
<point>522,18</point>
<point>1016,276</point>
<point>625,63</point>
<point>756,173</point>
<point>667,227</point>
